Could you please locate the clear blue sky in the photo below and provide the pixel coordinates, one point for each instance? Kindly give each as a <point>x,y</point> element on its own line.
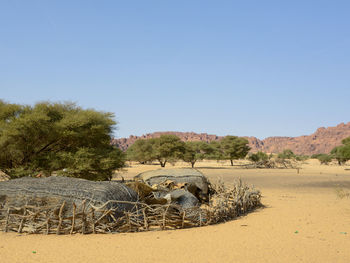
<point>255,68</point>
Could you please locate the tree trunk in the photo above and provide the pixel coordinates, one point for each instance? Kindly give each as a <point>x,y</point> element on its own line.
<point>162,164</point>
<point>231,162</point>
<point>192,164</point>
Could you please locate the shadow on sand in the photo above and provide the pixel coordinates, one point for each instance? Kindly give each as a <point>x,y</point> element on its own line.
<point>212,168</point>
<point>329,184</point>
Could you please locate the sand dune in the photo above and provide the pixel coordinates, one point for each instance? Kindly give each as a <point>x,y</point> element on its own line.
<point>304,220</point>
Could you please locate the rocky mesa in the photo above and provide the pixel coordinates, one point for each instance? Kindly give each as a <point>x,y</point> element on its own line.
<point>321,141</point>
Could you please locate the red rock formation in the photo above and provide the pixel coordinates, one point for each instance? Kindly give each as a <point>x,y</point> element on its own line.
<point>124,143</point>
<point>322,141</point>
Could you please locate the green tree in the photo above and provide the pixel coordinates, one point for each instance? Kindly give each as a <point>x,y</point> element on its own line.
<point>286,154</point>
<point>346,141</point>
<point>141,151</point>
<point>258,157</point>
<point>214,151</point>
<point>58,137</point>
<point>341,153</point>
<point>324,158</point>
<point>195,151</point>
<point>316,155</point>
<point>234,148</point>
<point>167,148</point>
<point>301,157</point>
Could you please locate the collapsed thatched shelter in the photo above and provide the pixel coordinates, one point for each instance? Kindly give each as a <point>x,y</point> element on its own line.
<point>190,179</point>
<point>67,205</point>
<point>54,190</point>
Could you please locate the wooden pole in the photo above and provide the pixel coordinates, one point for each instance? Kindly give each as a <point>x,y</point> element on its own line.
<point>7,219</point>
<point>73,219</point>
<point>47,223</point>
<point>83,218</point>
<point>145,219</point>
<point>60,218</point>
<point>183,219</point>
<point>93,220</point>
<point>22,221</point>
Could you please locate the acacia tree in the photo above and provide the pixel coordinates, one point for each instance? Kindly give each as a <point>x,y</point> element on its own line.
<point>286,154</point>
<point>346,141</point>
<point>58,137</point>
<point>324,158</point>
<point>196,150</point>
<point>234,148</point>
<point>342,152</point>
<point>141,151</point>
<point>214,151</point>
<point>258,157</point>
<point>167,147</point>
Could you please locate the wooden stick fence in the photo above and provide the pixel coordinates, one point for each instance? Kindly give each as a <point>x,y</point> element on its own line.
<point>67,218</point>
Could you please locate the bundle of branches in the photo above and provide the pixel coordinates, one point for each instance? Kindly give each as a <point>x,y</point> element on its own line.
<point>63,218</point>
<point>229,202</point>
<point>4,177</point>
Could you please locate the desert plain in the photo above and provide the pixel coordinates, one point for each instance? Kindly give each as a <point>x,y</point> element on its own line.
<point>305,218</point>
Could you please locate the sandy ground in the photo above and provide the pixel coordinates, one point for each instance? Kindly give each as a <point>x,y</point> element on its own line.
<point>304,220</point>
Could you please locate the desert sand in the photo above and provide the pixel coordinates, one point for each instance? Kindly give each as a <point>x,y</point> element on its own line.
<point>304,220</point>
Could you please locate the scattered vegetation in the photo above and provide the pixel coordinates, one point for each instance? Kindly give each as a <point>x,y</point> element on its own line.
<point>323,158</point>
<point>301,157</point>
<point>259,157</point>
<point>169,148</point>
<point>286,154</point>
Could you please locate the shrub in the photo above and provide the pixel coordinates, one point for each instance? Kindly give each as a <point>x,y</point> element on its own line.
<point>50,137</point>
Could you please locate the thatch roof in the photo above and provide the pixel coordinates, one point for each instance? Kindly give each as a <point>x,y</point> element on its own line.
<point>178,175</point>
<point>176,172</point>
<point>57,189</point>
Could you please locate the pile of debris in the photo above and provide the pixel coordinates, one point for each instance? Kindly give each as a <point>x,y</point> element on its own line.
<point>156,200</point>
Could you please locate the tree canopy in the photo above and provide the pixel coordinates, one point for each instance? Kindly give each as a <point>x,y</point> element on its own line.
<point>167,148</point>
<point>170,148</point>
<point>346,141</point>
<point>60,137</point>
<point>258,157</point>
<point>286,154</point>
<point>234,148</point>
<point>324,158</point>
<point>342,153</point>
<point>163,149</point>
<point>196,150</point>
<point>141,151</point>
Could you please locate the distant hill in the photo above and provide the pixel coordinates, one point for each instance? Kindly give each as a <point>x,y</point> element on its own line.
<point>322,141</point>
